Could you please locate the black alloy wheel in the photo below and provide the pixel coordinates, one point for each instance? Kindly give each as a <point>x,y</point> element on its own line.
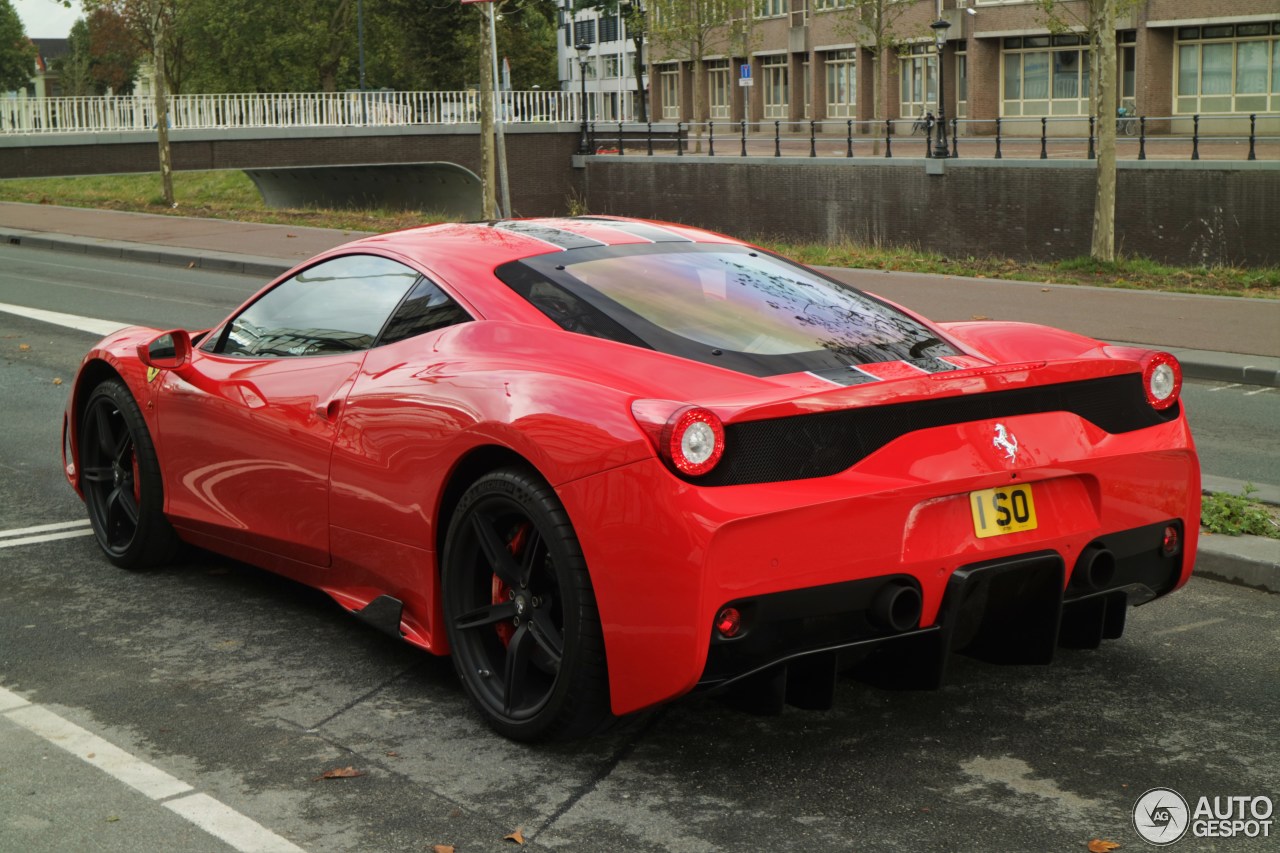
<point>120,480</point>
<point>520,611</point>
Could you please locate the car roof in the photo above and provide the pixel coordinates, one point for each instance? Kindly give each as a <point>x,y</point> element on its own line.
<point>504,240</point>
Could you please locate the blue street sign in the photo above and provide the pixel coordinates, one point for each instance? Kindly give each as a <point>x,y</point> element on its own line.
<point>744,71</point>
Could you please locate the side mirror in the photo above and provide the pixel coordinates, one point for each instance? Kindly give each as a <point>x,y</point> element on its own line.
<point>169,351</point>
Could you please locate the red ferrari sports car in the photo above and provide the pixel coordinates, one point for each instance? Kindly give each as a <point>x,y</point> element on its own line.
<point>605,462</point>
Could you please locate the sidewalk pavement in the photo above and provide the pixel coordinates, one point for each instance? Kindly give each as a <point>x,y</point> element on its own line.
<point>1222,338</point>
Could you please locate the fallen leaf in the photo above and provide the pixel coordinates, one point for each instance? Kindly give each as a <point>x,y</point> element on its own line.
<point>24,347</point>
<point>91,755</point>
<point>57,380</point>
<point>456,813</point>
<point>340,773</point>
<point>191,265</point>
<point>1046,290</point>
<point>980,317</point>
<point>1097,845</point>
<point>517,836</point>
<point>393,754</point>
<point>442,848</point>
<point>291,236</point>
<point>113,818</point>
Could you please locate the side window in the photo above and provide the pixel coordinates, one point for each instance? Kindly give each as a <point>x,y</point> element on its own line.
<point>425,309</point>
<point>336,306</point>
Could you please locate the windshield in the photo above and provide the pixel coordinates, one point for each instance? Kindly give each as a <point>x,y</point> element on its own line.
<point>724,305</point>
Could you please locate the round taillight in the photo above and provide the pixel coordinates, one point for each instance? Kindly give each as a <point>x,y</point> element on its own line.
<point>729,622</point>
<point>1171,540</point>
<point>1161,380</point>
<point>694,441</point>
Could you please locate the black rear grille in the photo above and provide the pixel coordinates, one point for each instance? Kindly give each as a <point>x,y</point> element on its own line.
<point>819,445</point>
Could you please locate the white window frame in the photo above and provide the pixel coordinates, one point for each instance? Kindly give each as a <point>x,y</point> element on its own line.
<point>1233,101</point>
<point>840,74</point>
<point>775,74</point>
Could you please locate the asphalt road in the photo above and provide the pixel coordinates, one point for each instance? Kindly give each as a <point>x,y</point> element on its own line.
<point>246,688</point>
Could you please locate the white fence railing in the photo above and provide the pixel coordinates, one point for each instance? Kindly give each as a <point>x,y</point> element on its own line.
<point>22,115</point>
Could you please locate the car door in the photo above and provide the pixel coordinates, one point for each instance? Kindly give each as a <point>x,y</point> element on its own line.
<point>247,429</point>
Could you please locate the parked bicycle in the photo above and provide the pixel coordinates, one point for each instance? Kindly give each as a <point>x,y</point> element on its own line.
<point>923,126</point>
<point>1126,121</point>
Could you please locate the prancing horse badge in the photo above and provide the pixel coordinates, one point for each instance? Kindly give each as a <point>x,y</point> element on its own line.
<point>1006,441</point>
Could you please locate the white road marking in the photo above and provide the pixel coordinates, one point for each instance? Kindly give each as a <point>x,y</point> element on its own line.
<point>1258,391</point>
<point>43,528</point>
<point>70,321</point>
<point>228,824</point>
<point>1191,627</point>
<point>214,817</point>
<point>46,537</point>
<point>9,701</point>
<point>1224,387</point>
<point>107,757</point>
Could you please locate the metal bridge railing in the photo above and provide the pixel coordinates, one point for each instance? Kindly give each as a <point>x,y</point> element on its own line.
<point>125,113</point>
<point>1191,137</point>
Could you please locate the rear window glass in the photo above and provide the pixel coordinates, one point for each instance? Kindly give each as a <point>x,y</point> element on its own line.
<point>724,305</point>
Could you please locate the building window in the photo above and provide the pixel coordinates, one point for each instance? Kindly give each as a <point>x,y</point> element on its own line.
<point>669,80</point>
<point>918,78</point>
<point>1046,76</point>
<point>612,66</point>
<point>806,83</point>
<point>584,32</point>
<point>777,101</point>
<point>1228,69</point>
<point>771,8</point>
<point>718,88</point>
<point>842,83</point>
<point>962,81</point>
<point>609,28</point>
<point>825,5</point>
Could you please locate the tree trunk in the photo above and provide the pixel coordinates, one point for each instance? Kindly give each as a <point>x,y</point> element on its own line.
<point>162,102</point>
<point>697,115</point>
<point>488,160</point>
<point>1104,206</point>
<point>642,106</point>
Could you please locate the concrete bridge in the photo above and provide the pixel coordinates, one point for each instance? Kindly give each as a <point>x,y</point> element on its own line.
<point>410,149</point>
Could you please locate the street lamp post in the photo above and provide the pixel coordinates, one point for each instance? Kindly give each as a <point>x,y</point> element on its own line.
<point>582,48</point>
<point>940,28</point>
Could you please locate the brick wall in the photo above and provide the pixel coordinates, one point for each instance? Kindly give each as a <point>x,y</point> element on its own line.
<point>1020,210</point>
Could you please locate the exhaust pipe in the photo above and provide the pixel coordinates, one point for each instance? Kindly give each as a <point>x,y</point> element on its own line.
<point>1095,570</point>
<point>896,607</point>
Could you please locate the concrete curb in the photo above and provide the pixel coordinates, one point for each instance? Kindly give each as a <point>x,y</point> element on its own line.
<point>148,253</point>
<point>1252,561</point>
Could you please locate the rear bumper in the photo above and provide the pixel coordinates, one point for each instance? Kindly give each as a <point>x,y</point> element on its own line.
<point>666,556</point>
<point>1016,610</point>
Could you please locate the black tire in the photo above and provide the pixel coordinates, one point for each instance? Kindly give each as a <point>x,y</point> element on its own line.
<point>120,479</point>
<point>520,611</point>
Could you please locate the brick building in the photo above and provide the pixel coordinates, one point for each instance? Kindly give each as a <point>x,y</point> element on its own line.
<point>808,60</point>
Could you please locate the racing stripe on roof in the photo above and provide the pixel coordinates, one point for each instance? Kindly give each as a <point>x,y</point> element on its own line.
<point>643,230</point>
<point>557,237</point>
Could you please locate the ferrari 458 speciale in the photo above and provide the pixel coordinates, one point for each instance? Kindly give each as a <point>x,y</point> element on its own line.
<point>605,462</point>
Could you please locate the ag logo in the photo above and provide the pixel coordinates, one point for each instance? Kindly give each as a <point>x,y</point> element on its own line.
<point>1161,816</point>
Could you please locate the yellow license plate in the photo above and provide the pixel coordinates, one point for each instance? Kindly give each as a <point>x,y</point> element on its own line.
<point>1000,511</point>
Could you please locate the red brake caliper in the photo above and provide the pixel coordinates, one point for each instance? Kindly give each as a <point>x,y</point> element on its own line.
<point>501,592</point>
